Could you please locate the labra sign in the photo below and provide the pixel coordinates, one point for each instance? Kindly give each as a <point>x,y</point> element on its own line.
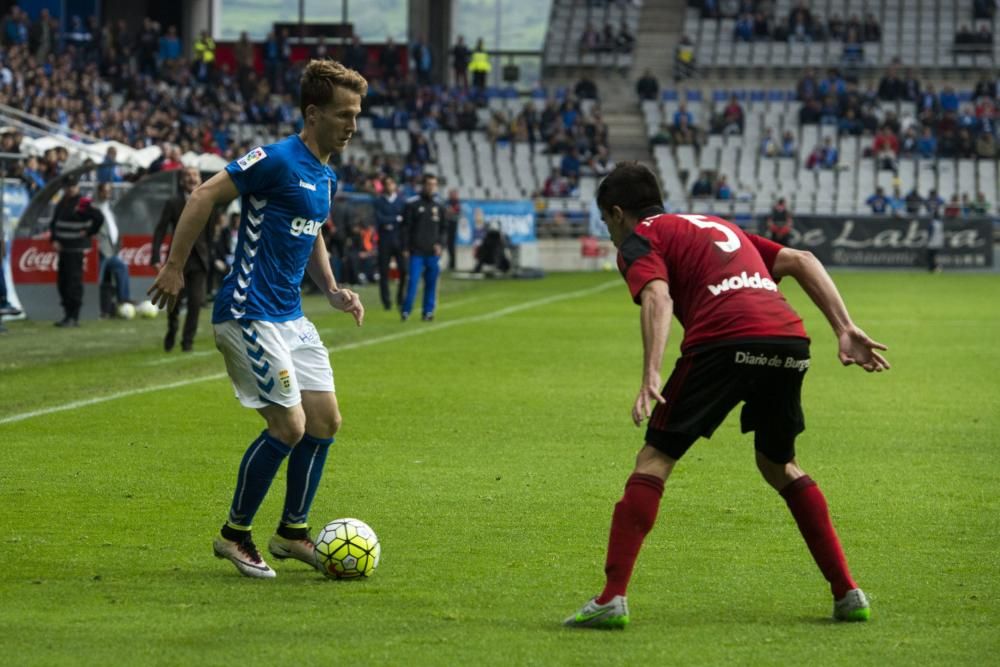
<point>872,241</point>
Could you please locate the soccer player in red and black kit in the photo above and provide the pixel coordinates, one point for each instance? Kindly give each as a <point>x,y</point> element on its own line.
<point>742,342</point>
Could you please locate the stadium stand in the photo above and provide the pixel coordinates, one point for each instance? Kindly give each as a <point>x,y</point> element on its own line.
<point>921,32</point>
<point>498,143</point>
<point>571,19</point>
<point>759,179</point>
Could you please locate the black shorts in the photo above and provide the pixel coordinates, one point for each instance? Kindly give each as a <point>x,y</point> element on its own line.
<point>708,383</point>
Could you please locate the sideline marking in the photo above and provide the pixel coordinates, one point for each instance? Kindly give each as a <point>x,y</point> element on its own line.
<point>424,329</point>
<point>202,353</point>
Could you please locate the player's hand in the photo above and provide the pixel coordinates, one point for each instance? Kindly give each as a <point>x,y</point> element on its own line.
<point>167,286</point>
<point>348,302</point>
<point>857,348</point>
<point>57,246</point>
<point>437,249</point>
<point>649,395</point>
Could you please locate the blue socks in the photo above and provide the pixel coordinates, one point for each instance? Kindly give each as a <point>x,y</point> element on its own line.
<point>257,470</point>
<point>305,469</point>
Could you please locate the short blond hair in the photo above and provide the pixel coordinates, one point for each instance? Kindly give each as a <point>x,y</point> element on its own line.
<point>321,77</point>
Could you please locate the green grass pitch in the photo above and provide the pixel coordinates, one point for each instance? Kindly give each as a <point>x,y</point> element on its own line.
<point>487,449</point>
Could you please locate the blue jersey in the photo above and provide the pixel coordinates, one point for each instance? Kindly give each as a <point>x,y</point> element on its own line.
<point>285,196</point>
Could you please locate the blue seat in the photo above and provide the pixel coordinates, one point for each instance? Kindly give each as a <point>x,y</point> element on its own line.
<point>669,96</point>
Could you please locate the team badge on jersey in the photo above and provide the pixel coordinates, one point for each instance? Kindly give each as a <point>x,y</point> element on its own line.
<point>285,379</point>
<point>251,158</point>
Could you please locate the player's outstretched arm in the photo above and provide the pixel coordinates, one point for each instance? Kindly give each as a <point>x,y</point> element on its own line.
<point>654,320</point>
<point>855,345</point>
<point>321,273</point>
<point>216,191</point>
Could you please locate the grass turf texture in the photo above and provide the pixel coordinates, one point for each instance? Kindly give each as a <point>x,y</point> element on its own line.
<point>487,452</point>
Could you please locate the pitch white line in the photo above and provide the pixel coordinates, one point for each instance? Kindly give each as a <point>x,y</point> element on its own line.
<point>184,356</point>
<point>110,397</point>
<point>419,329</point>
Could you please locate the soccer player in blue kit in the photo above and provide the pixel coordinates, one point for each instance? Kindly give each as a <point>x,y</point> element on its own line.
<point>273,354</point>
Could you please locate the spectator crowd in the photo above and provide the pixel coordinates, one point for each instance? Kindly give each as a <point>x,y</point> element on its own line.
<point>932,124</point>
<point>135,86</point>
<point>756,20</point>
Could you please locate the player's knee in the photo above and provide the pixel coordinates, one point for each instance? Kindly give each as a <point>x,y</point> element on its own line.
<point>325,426</point>
<point>778,474</point>
<point>332,425</point>
<point>289,428</point>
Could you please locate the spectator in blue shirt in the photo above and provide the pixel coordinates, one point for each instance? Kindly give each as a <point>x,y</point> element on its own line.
<point>833,84</point>
<point>682,112</point>
<point>400,118</point>
<point>849,124</point>
<point>788,147</point>
<point>722,189</point>
<point>570,165</point>
<point>32,176</point>
<point>897,205</point>
<point>743,32</point>
<point>927,103</point>
<point>830,111</point>
<point>807,88</point>
<point>854,52</point>
<point>933,203</point>
<point>16,27</point>
<point>768,146</point>
<point>170,46</point>
<point>949,100</point>
<point>967,119</point>
<point>878,202</point>
<point>927,144</point>
<point>108,171</point>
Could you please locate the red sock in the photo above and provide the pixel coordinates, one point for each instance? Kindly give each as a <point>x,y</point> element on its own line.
<point>808,506</point>
<point>632,520</point>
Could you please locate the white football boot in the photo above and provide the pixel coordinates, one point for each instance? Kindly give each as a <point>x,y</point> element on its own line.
<point>852,607</point>
<point>244,555</point>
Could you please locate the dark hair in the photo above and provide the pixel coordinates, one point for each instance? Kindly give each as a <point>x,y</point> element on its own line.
<point>630,186</point>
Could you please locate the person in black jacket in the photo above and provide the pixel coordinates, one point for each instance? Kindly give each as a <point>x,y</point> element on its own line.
<point>74,223</point>
<point>196,269</point>
<point>453,210</point>
<point>389,208</point>
<point>423,237</point>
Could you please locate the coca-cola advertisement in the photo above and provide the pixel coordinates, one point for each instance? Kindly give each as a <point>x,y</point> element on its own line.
<point>35,261</point>
<point>137,249</point>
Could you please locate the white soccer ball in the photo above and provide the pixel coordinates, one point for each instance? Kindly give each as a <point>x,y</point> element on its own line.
<point>147,310</point>
<point>126,311</point>
<point>347,548</point>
